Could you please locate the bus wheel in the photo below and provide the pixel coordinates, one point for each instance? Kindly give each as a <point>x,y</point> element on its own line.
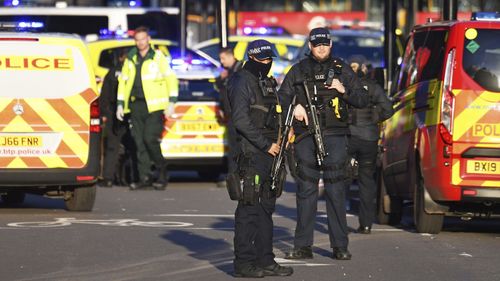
<point>81,199</point>
<point>424,223</point>
<point>13,197</point>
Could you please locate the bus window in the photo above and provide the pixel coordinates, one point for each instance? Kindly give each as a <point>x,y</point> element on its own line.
<point>81,25</point>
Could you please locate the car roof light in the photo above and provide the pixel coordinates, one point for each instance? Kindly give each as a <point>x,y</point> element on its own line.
<point>264,30</point>
<point>485,16</point>
<point>134,3</point>
<point>178,61</point>
<point>247,30</point>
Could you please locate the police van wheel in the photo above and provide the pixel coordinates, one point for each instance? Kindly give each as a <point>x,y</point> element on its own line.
<point>13,197</point>
<point>81,199</point>
<point>424,222</point>
<point>395,204</point>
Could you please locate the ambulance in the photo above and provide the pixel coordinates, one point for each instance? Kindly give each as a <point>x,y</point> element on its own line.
<point>49,119</point>
<point>441,149</point>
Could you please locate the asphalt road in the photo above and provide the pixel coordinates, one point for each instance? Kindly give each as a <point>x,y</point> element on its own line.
<point>186,232</point>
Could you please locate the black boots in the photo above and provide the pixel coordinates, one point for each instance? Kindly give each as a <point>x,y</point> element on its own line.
<point>341,254</point>
<point>140,185</point>
<point>300,253</point>
<point>277,270</point>
<point>364,230</point>
<point>252,271</point>
<point>162,181</point>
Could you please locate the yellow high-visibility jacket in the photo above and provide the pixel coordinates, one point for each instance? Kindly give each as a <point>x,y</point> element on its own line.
<point>159,82</point>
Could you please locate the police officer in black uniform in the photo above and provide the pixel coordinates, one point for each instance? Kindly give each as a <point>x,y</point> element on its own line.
<point>255,118</point>
<point>113,128</point>
<point>331,101</point>
<point>363,143</point>
<point>231,65</point>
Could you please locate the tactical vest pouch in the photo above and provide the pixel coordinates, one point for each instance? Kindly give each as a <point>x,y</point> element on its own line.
<point>339,107</point>
<point>251,187</point>
<point>234,186</point>
<point>272,121</point>
<point>258,115</point>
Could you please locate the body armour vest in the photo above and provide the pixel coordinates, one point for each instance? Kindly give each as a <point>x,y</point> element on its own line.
<point>331,107</point>
<point>368,115</point>
<point>263,112</point>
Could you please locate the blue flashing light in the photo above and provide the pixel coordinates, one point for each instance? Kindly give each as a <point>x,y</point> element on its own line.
<point>104,32</point>
<point>30,24</point>
<point>15,3</point>
<point>178,61</point>
<point>263,30</point>
<point>134,3</point>
<point>485,16</point>
<point>247,30</point>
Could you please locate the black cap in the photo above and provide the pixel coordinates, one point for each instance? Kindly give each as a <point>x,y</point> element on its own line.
<point>320,35</point>
<point>261,49</point>
<point>359,59</point>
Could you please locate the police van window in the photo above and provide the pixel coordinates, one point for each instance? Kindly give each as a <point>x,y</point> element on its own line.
<point>423,59</point>
<point>429,56</point>
<point>481,58</point>
<point>81,25</point>
<point>406,65</point>
<point>109,57</point>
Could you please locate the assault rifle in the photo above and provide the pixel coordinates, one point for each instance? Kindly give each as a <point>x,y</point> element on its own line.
<point>316,129</point>
<point>278,162</point>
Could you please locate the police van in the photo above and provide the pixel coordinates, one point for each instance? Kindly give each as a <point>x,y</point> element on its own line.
<point>49,119</point>
<point>442,146</point>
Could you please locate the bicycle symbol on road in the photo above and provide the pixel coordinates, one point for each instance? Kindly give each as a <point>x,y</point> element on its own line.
<point>60,222</point>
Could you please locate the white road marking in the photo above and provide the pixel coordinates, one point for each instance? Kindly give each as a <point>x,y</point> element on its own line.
<point>229,215</point>
<point>298,262</point>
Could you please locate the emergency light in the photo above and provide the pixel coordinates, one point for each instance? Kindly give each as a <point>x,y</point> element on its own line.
<point>262,30</point>
<point>22,26</point>
<point>485,16</point>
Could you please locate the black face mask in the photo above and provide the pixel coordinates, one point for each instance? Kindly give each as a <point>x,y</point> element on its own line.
<point>257,68</point>
<point>360,73</point>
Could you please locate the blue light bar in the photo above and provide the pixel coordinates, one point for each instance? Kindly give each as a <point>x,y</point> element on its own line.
<point>263,30</point>
<point>30,24</point>
<point>485,16</point>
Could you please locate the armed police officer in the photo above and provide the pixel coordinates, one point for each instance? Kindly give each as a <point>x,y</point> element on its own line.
<point>325,86</point>
<point>363,144</point>
<point>256,119</point>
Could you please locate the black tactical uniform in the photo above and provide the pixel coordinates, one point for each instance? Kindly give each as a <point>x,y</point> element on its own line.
<point>113,128</point>
<point>332,107</point>
<point>363,146</point>
<point>257,125</point>
<point>231,132</point>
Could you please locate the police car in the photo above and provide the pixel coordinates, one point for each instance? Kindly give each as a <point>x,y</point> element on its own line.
<point>50,131</point>
<point>194,135</point>
<point>442,146</point>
